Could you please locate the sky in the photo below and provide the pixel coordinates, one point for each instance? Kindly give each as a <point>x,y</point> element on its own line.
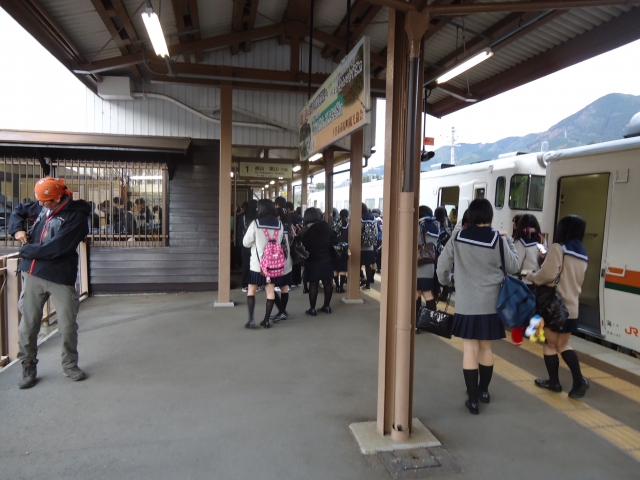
<point>32,101</point>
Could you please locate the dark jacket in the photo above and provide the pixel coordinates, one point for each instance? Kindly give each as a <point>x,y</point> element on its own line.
<point>51,251</point>
<point>318,239</point>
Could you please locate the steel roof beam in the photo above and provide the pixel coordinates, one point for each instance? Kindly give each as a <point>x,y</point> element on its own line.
<point>187,19</point>
<point>613,34</point>
<point>106,9</point>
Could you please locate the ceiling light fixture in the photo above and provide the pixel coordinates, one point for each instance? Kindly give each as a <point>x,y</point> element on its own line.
<point>315,157</point>
<point>272,182</point>
<point>297,168</point>
<point>154,29</point>
<point>466,65</point>
<point>456,95</point>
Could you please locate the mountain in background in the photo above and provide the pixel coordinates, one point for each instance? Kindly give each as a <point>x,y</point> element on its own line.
<point>604,120</point>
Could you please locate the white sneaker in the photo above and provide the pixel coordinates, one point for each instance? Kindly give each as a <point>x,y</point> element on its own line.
<point>277,289</point>
<point>245,290</point>
<point>260,289</point>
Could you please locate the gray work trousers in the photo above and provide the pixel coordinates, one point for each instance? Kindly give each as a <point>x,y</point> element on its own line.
<point>35,293</point>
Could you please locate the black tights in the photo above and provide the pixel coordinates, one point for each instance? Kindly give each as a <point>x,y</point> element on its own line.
<point>313,293</point>
<point>370,274</point>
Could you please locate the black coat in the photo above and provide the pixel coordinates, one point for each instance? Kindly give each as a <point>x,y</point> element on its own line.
<point>318,239</point>
<point>52,255</point>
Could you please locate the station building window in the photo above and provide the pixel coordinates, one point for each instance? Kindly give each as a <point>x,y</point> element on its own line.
<point>129,200</point>
<point>501,187</point>
<point>370,202</point>
<point>526,192</point>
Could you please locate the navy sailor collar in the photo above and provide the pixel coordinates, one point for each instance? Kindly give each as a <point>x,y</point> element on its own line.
<point>480,236</point>
<point>268,222</point>
<point>575,248</point>
<point>531,242</point>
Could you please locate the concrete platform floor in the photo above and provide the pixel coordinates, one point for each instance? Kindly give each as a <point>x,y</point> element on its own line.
<point>179,390</point>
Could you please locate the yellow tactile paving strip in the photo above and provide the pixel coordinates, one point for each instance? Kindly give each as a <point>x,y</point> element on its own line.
<point>594,375</point>
<point>622,436</point>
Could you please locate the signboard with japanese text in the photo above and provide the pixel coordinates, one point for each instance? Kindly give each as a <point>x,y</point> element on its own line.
<point>340,106</point>
<point>266,170</point>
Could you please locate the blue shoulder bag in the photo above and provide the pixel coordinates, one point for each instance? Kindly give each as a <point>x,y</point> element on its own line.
<point>516,303</point>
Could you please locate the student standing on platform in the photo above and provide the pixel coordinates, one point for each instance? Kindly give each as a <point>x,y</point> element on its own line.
<point>341,229</point>
<point>567,258</point>
<point>368,254</point>
<point>428,232</point>
<point>478,280</point>
<point>256,240</point>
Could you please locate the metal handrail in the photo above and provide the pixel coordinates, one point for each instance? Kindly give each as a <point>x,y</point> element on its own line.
<point>10,290</point>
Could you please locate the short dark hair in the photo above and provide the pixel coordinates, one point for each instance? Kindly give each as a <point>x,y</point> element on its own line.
<point>266,207</point>
<point>281,202</point>
<point>480,212</point>
<point>312,215</point>
<point>571,227</point>
<point>139,201</point>
<point>129,205</point>
<point>344,216</point>
<point>117,200</point>
<point>290,206</point>
<point>526,223</point>
<point>424,211</point>
<point>441,215</point>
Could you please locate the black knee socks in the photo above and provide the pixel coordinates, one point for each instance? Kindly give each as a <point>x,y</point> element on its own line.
<point>571,359</point>
<point>343,280</point>
<point>336,281</point>
<point>328,293</point>
<point>553,364</point>
<point>486,372</point>
<point>278,302</point>
<point>471,380</point>
<point>283,302</point>
<point>251,305</point>
<point>267,314</point>
<point>313,294</point>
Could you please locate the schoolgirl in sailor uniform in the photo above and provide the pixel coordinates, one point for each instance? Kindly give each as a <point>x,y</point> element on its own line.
<point>428,232</point>
<point>527,240</point>
<point>565,263</point>
<point>478,280</point>
<point>256,240</point>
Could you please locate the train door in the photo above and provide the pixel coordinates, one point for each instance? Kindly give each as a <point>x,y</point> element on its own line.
<point>587,196</point>
<point>621,296</point>
<point>449,197</point>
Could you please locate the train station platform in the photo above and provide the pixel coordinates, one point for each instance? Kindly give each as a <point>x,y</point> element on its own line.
<point>178,389</point>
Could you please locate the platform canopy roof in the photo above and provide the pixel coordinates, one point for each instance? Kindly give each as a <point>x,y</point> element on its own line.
<point>529,39</point>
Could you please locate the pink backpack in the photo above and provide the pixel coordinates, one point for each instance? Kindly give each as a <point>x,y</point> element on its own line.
<point>273,260</point>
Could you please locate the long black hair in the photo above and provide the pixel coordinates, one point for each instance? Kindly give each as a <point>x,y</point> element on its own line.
<point>571,227</point>
<point>265,208</point>
<point>442,217</point>
<point>312,215</point>
<point>528,228</point>
<point>365,209</point>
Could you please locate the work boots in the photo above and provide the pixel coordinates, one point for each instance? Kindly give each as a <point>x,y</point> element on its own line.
<point>29,373</point>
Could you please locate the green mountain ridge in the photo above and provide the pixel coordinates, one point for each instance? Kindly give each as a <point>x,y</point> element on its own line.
<point>604,120</point>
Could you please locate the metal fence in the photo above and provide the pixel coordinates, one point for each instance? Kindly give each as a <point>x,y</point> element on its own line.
<point>11,287</point>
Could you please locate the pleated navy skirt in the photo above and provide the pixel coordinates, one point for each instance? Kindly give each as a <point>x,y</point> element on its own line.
<point>367,257</point>
<point>425,284</point>
<point>315,272</point>
<point>340,266</point>
<point>255,278</point>
<point>570,326</point>
<point>478,327</point>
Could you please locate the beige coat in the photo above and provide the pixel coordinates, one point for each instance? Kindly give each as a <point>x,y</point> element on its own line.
<point>572,271</point>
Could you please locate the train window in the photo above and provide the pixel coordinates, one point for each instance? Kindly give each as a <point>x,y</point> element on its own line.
<point>526,192</point>
<point>449,196</point>
<point>380,204</point>
<point>370,202</point>
<point>501,187</point>
<point>479,193</point>
<point>536,192</point>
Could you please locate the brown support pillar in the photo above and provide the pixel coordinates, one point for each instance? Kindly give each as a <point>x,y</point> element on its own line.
<point>401,194</point>
<point>328,183</point>
<point>355,211</point>
<point>303,188</point>
<point>224,212</point>
<point>290,190</point>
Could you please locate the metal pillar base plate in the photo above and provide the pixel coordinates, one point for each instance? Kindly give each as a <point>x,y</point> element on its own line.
<point>370,441</point>
<point>223,304</point>
<point>348,301</point>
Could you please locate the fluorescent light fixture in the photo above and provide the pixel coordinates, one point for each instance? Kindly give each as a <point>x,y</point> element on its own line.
<point>231,174</point>
<point>297,168</point>
<point>315,157</point>
<point>459,97</point>
<point>146,177</point>
<point>272,182</point>
<point>266,186</point>
<point>152,22</point>
<point>466,65</point>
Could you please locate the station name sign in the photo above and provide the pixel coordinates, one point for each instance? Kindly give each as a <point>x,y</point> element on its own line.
<point>266,170</point>
<point>340,106</point>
